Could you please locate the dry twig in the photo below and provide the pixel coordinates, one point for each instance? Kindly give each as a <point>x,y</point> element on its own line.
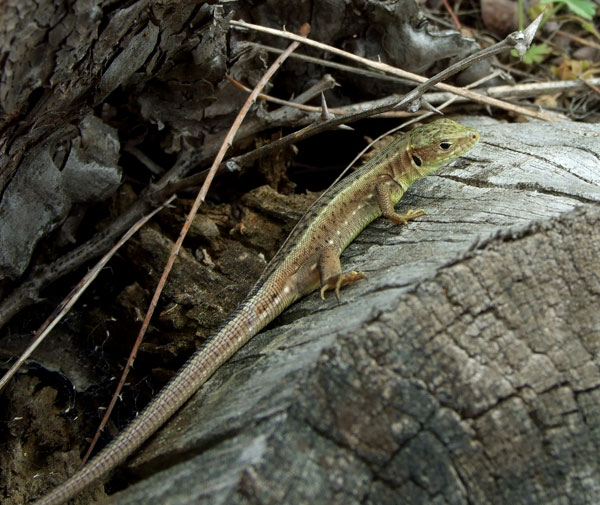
<point>27,293</point>
<point>472,95</point>
<point>188,221</point>
<point>519,40</point>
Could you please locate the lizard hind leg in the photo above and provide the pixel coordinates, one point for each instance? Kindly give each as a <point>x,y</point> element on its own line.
<point>332,277</point>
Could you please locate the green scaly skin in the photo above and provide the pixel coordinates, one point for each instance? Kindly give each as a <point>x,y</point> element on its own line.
<point>309,258</point>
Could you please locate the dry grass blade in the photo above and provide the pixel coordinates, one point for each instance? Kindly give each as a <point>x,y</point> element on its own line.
<point>188,221</point>
<point>519,39</point>
<point>452,14</point>
<point>471,95</point>
<point>75,294</point>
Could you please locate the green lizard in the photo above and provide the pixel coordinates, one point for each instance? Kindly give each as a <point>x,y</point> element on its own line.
<point>310,257</point>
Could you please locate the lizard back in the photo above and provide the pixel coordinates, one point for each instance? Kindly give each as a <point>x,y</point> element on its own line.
<point>328,226</point>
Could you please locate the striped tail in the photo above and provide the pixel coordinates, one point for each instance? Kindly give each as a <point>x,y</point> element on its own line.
<point>240,327</point>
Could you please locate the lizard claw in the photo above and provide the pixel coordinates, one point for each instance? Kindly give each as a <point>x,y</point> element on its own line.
<point>413,214</point>
<point>409,216</point>
<point>337,281</point>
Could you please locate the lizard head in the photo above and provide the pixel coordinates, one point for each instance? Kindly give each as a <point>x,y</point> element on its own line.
<point>437,143</point>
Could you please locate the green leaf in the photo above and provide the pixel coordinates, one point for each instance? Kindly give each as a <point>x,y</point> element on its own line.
<point>535,54</point>
<point>584,8</point>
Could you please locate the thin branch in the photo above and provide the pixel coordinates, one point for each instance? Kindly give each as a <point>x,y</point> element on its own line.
<point>27,292</point>
<point>579,40</point>
<point>593,84</point>
<point>273,99</point>
<point>188,221</point>
<point>412,99</point>
<point>513,40</point>
<point>332,64</point>
<point>525,90</point>
<point>143,158</point>
<point>530,89</point>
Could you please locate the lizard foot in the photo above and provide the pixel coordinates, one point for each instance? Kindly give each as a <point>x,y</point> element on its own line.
<point>337,281</point>
<point>409,216</point>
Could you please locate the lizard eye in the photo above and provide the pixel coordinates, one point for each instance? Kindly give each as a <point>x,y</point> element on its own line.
<point>417,160</point>
<point>445,145</point>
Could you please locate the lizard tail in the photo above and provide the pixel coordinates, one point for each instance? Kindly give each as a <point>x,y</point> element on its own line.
<point>242,325</point>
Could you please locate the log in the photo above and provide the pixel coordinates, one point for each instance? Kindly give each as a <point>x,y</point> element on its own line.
<point>465,369</point>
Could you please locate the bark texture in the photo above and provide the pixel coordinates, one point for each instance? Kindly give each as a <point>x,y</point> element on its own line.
<point>464,370</point>
<point>79,78</point>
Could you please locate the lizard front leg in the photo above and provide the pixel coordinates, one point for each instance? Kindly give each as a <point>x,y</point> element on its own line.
<point>383,191</point>
<point>330,270</point>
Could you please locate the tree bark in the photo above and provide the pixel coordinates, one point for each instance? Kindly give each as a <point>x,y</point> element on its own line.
<point>465,369</point>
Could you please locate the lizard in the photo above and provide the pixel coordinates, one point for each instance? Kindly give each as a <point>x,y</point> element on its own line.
<point>309,258</point>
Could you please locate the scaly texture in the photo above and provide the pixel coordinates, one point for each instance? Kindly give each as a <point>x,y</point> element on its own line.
<point>310,257</point>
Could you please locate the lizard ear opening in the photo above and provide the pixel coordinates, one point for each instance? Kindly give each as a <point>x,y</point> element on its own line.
<point>417,160</point>
<point>445,145</point>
